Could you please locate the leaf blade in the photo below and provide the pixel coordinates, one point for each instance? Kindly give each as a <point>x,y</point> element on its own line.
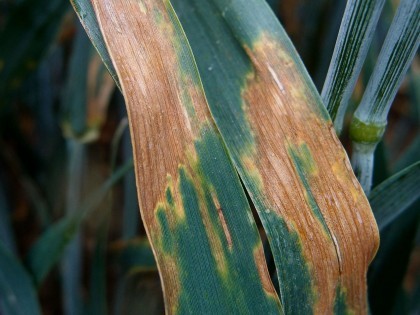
<point>274,124</point>
<point>395,195</point>
<point>184,203</point>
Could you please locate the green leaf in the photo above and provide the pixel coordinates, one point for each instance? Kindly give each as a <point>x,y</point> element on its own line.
<point>395,195</point>
<point>410,156</point>
<point>353,41</point>
<point>17,292</point>
<point>49,248</point>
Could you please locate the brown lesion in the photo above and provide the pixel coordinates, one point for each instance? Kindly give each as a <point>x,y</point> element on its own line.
<point>263,272</point>
<point>283,112</point>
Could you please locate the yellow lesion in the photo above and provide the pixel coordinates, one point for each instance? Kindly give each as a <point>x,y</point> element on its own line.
<point>252,170</point>
<point>177,206</point>
<point>263,272</point>
<point>341,174</point>
<point>142,6</point>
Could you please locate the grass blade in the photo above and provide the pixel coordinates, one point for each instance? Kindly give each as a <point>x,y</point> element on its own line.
<point>17,293</point>
<point>370,118</point>
<point>202,231</point>
<point>286,151</point>
<point>49,248</point>
<point>395,195</point>
<point>353,41</point>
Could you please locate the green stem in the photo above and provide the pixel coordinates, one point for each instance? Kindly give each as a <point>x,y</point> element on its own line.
<point>353,41</point>
<point>370,118</point>
<point>71,263</point>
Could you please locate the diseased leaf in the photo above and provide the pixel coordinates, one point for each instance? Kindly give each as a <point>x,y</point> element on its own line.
<point>395,195</point>
<point>195,212</point>
<point>318,222</point>
<point>17,292</point>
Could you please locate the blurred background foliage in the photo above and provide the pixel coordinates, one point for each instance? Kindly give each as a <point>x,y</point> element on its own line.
<point>69,219</point>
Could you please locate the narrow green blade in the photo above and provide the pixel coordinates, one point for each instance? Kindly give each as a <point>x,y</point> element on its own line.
<point>353,41</point>
<point>49,248</point>
<point>395,195</point>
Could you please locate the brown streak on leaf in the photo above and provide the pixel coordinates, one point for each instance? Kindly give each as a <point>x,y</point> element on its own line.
<point>263,271</point>
<point>222,219</point>
<point>224,226</point>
